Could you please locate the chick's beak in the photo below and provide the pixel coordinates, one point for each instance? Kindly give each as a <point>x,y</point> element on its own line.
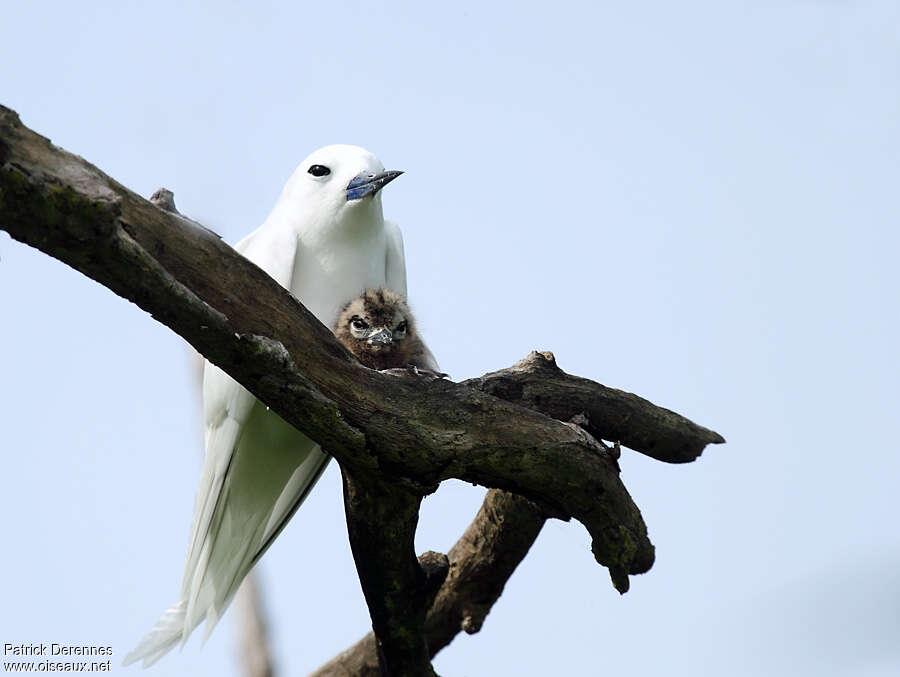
<point>380,337</point>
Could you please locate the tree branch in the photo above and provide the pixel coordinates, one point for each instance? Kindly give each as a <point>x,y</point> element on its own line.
<point>412,431</point>
<point>419,431</point>
<point>481,562</point>
<point>381,523</point>
<point>609,414</point>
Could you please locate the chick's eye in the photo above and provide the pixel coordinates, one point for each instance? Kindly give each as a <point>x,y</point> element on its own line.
<point>401,327</point>
<point>319,170</point>
<point>359,324</point>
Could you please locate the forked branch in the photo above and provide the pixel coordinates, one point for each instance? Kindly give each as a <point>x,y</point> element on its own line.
<point>404,431</point>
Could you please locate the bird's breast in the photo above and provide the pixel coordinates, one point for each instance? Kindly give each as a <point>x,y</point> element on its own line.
<point>327,274</point>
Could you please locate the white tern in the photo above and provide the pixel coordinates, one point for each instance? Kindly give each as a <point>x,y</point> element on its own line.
<point>326,241</point>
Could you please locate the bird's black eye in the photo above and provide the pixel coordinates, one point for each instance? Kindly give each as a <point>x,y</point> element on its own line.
<point>359,323</point>
<point>401,326</point>
<point>319,170</point>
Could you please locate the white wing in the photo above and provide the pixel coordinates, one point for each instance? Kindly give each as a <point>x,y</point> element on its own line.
<point>271,469</point>
<point>394,260</point>
<point>395,275</point>
<point>257,471</point>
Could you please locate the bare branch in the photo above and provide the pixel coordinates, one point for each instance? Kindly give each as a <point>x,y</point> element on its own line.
<point>409,432</point>
<point>481,562</point>
<point>165,199</point>
<point>381,523</point>
<point>609,414</point>
<point>416,430</point>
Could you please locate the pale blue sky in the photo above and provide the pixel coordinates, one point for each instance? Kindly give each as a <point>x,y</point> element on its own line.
<point>694,201</point>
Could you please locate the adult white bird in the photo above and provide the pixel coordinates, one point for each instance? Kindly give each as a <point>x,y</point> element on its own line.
<point>326,241</point>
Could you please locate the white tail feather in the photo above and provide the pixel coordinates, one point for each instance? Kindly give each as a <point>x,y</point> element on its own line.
<point>240,508</point>
<point>162,638</point>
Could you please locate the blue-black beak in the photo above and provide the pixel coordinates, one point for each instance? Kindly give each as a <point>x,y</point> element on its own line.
<point>369,184</point>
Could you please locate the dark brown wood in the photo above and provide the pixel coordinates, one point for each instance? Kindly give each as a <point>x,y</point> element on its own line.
<point>608,414</point>
<point>481,562</point>
<point>381,523</point>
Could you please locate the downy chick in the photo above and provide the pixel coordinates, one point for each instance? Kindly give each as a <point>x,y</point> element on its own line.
<point>379,329</point>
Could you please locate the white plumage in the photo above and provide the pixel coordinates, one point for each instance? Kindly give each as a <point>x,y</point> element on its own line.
<point>325,240</point>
